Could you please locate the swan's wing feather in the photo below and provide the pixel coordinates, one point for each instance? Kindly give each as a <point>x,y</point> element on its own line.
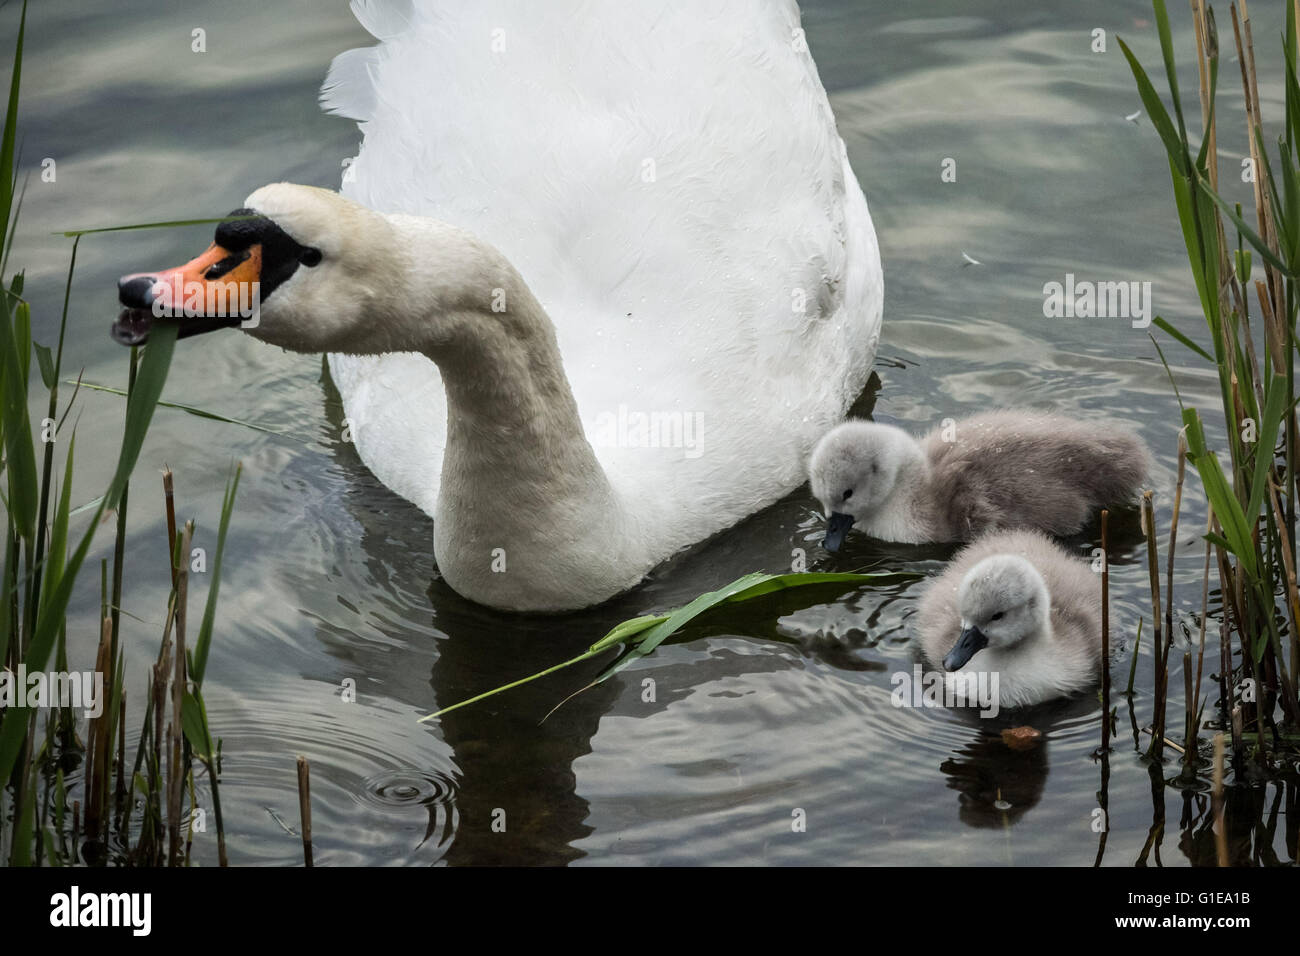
<point>384,19</point>
<point>349,88</point>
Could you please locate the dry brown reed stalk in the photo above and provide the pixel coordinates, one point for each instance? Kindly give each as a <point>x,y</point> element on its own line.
<point>152,835</point>
<point>304,807</point>
<point>177,765</point>
<point>1205,603</point>
<point>1190,729</point>
<point>169,499</point>
<point>1173,531</point>
<point>1105,631</point>
<point>99,758</point>
<point>1158,639</point>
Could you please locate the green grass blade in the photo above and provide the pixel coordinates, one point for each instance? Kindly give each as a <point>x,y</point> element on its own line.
<point>585,655</point>
<point>7,587</point>
<point>1249,234</point>
<point>1156,110</point>
<point>1289,221</point>
<point>1168,372</point>
<point>658,627</point>
<point>140,408</point>
<point>194,723</point>
<point>20,457</point>
<point>1226,506</point>
<point>9,136</point>
<point>1275,406</point>
<point>204,641</point>
<point>1173,333</point>
<point>627,629</point>
<point>192,410</point>
<point>22,841</point>
<point>1184,203</point>
<point>1204,151</point>
<point>45,359</point>
<point>168,224</point>
<point>742,589</point>
<point>1167,54</point>
<point>58,548</point>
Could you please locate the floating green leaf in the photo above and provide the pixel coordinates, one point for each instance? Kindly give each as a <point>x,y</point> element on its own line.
<point>654,629</point>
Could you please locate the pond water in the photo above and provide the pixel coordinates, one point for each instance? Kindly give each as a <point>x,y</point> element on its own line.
<point>329,577</point>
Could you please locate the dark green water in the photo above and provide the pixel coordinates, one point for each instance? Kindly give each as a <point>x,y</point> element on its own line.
<point>330,577</point>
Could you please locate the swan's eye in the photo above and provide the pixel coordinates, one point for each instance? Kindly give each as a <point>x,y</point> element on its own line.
<point>848,494</point>
<point>309,257</point>
<point>997,617</point>
<point>875,469</point>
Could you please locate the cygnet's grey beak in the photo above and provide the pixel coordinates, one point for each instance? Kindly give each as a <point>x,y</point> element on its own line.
<point>971,642</point>
<point>837,526</point>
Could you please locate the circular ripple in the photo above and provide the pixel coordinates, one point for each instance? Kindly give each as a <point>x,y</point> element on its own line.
<point>398,789</point>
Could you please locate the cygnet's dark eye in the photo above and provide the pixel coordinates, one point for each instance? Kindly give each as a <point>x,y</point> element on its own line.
<point>309,257</point>
<point>996,617</point>
<point>875,468</point>
<point>848,494</point>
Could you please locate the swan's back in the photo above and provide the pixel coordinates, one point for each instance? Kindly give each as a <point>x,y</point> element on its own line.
<point>668,180</point>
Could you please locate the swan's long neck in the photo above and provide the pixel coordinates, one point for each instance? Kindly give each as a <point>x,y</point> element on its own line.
<point>521,488</point>
<point>512,418</point>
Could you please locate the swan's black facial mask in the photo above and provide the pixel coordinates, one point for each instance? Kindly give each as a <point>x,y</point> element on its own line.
<point>250,258</point>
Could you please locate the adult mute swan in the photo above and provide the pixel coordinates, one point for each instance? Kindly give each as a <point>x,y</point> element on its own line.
<point>661,286</point>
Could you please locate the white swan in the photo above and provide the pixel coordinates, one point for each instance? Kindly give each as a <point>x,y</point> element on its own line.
<point>1017,605</point>
<point>1014,468</point>
<point>661,287</point>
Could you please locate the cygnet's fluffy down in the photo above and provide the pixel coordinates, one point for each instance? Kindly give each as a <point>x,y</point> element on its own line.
<point>1017,468</point>
<point>1017,605</point>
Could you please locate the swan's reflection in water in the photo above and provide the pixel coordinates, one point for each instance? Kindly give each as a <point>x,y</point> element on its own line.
<point>503,788</point>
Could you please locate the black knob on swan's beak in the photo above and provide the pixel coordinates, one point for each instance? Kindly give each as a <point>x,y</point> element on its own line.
<point>136,292</point>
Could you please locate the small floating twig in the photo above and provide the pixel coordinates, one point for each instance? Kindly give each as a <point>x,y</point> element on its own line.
<point>1167,743</point>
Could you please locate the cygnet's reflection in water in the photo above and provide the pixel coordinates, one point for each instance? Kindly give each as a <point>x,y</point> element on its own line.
<point>1001,773</point>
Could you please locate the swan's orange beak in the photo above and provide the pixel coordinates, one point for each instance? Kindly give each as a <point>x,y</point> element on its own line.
<point>218,289</point>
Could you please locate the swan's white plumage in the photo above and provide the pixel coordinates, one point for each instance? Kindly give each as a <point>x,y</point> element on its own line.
<point>668,180</point>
